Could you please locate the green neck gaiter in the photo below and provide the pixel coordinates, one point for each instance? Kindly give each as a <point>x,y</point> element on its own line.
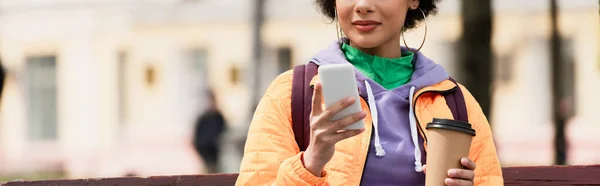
<point>389,73</point>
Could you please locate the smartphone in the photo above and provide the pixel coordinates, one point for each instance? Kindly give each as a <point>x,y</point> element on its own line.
<point>339,82</point>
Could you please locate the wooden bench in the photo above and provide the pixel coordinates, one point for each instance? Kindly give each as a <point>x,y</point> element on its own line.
<point>551,175</point>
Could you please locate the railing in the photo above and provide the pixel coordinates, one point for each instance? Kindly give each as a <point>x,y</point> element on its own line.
<point>551,175</point>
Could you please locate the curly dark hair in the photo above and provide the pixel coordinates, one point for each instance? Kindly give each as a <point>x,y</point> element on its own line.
<point>413,17</point>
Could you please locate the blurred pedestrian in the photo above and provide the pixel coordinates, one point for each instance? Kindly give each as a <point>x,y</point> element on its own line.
<point>210,126</point>
<point>2,75</point>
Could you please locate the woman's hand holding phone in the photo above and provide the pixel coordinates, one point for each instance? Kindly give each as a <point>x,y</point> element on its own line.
<point>326,132</point>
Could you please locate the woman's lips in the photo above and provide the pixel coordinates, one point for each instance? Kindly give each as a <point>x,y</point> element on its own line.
<point>365,25</point>
<point>365,28</point>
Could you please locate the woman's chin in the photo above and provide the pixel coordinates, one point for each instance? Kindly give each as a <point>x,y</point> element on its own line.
<point>365,41</point>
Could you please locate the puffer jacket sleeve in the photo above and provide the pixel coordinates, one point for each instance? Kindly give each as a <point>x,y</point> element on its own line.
<point>483,150</point>
<point>271,155</point>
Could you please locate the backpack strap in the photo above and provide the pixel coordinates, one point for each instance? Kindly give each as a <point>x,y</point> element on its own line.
<point>302,103</point>
<point>456,102</point>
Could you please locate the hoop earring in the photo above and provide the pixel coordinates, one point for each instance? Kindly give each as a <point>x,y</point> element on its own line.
<point>424,37</point>
<point>338,30</point>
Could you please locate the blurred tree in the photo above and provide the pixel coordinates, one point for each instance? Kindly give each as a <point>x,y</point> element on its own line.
<point>257,50</point>
<point>558,95</point>
<point>475,56</point>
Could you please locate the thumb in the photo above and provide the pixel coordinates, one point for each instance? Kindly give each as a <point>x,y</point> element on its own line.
<point>425,169</point>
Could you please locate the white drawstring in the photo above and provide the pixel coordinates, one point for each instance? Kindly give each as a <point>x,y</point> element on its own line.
<point>379,152</point>
<point>413,132</point>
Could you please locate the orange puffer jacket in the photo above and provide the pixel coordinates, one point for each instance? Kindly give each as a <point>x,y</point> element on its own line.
<point>272,156</point>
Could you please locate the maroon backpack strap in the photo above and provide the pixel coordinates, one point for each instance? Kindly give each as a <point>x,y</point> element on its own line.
<point>456,102</point>
<point>302,103</point>
<point>298,104</point>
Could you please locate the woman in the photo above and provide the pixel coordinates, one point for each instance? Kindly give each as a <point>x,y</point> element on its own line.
<point>389,152</point>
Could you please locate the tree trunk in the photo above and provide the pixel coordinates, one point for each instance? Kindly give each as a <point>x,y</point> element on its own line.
<point>558,96</point>
<point>257,51</point>
<point>476,56</point>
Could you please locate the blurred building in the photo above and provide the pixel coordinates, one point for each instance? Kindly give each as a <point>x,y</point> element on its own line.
<point>108,87</point>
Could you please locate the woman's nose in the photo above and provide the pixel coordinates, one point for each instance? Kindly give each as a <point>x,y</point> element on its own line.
<point>364,6</point>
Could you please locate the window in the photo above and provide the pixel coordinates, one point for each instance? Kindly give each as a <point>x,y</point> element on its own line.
<point>284,59</point>
<point>122,87</point>
<point>193,82</point>
<point>196,73</point>
<point>504,67</point>
<point>41,94</point>
<point>197,59</point>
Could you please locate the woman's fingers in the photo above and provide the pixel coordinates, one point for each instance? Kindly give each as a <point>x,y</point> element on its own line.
<point>337,107</point>
<point>461,174</point>
<point>457,182</point>
<point>317,109</point>
<point>339,136</point>
<point>322,125</point>
<point>347,121</point>
<point>469,164</point>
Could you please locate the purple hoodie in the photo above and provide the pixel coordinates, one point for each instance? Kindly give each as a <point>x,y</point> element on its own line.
<point>396,161</point>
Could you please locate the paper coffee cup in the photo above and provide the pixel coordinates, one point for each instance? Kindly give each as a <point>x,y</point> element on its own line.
<point>447,142</point>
